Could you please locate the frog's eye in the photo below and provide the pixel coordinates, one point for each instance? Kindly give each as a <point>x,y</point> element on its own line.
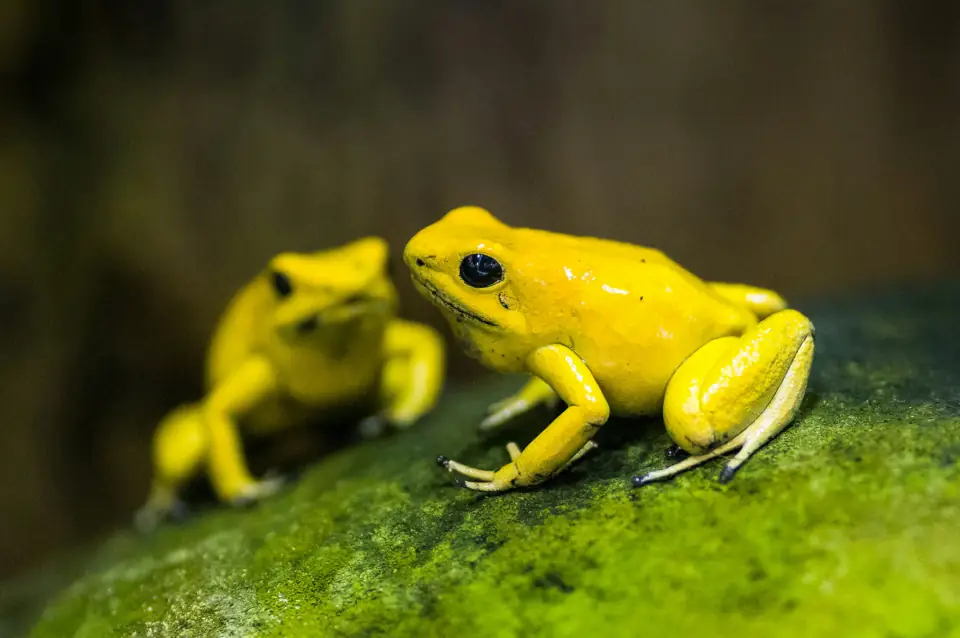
<point>282,285</point>
<point>480,271</point>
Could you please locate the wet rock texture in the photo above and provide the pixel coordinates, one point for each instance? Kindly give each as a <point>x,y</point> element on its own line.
<point>847,524</point>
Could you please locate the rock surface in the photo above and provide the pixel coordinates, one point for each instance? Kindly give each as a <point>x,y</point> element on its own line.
<point>846,524</point>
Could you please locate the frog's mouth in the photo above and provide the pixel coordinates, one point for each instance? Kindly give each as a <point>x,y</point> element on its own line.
<point>443,300</point>
<point>337,315</point>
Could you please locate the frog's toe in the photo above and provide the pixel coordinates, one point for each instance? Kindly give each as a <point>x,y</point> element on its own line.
<point>728,472</point>
<point>259,490</point>
<point>488,486</point>
<point>501,412</point>
<point>642,479</point>
<point>147,519</point>
<point>373,426</point>
<point>498,406</point>
<point>152,515</point>
<point>162,505</point>
<point>675,452</point>
<point>464,470</point>
<point>179,511</point>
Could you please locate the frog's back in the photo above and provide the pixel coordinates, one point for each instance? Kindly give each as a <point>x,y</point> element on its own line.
<point>597,261</point>
<point>634,315</point>
<point>592,248</point>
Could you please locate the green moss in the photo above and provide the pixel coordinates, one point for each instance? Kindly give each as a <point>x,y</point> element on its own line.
<point>845,525</point>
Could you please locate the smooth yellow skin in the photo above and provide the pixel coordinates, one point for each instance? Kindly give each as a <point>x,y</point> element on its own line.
<point>613,328</point>
<point>283,355</point>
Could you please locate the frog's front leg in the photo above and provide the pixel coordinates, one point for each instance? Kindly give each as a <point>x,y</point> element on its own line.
<point>252,382</point>
<point>564,440</point>
<point>179,452</point>
<point>412,376</point>
<point>737,393</point>
<point>533,393</point>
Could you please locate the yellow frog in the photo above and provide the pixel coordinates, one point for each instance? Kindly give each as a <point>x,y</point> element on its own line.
<point>609,327</point>
<point>309,333</point>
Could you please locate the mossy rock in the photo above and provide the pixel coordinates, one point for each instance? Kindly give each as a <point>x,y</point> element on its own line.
<point>847,524</point>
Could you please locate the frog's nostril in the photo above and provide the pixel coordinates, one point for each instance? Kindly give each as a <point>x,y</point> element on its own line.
<point>308,325</point>
<point>420,262</point>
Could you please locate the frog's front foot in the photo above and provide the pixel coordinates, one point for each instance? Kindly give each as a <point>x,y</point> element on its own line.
<point>159,508</point>
<point>507,477</point>
<point>532,394</point>
<point>256,491</point>
<point>373,426</point>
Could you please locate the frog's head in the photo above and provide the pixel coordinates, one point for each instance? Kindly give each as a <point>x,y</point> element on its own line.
<point>467,266</point>
<point>331,287</point>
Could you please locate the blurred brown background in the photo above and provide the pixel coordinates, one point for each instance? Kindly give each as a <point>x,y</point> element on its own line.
<point>154,154</point>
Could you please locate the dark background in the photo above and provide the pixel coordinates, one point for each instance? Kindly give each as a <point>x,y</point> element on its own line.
<point>154,155</point>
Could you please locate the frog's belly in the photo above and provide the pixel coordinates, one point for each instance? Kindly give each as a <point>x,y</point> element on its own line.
<point>284,413</point>
<point>311,395</point>
<point>634,396</point>
<point>634,383</point>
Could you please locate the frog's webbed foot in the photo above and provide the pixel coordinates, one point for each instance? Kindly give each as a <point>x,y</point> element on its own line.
<point>532,394</point>
<point>506,478</point>
<point>751,388</point>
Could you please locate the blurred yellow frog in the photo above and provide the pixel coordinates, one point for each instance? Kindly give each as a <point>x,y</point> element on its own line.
<point>309,333</point>
<point>609,327</point>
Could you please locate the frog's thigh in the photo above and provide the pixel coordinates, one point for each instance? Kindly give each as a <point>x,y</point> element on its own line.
<point>737,392</point>
<point>413,372</point>
<point>760,301</point>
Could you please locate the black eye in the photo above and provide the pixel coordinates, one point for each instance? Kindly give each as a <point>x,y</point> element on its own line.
<point>480,271</point>
<point>282,284</point>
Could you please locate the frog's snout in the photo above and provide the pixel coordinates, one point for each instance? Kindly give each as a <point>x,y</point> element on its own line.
<point>410,256</point>
<point>416,252</point>
<point>419,263</point>
<point>413,260</point>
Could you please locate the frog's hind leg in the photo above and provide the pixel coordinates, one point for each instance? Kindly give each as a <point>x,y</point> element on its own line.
<point>760,301</point>
<point>738,393</point>
<point>179,450</point>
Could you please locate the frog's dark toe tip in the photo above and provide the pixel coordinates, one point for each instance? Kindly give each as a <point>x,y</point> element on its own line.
<point>639,481</point>
<point>443,461</point>
<point>727,474</point>
<point>675,452</point>
<point>179,512</point>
